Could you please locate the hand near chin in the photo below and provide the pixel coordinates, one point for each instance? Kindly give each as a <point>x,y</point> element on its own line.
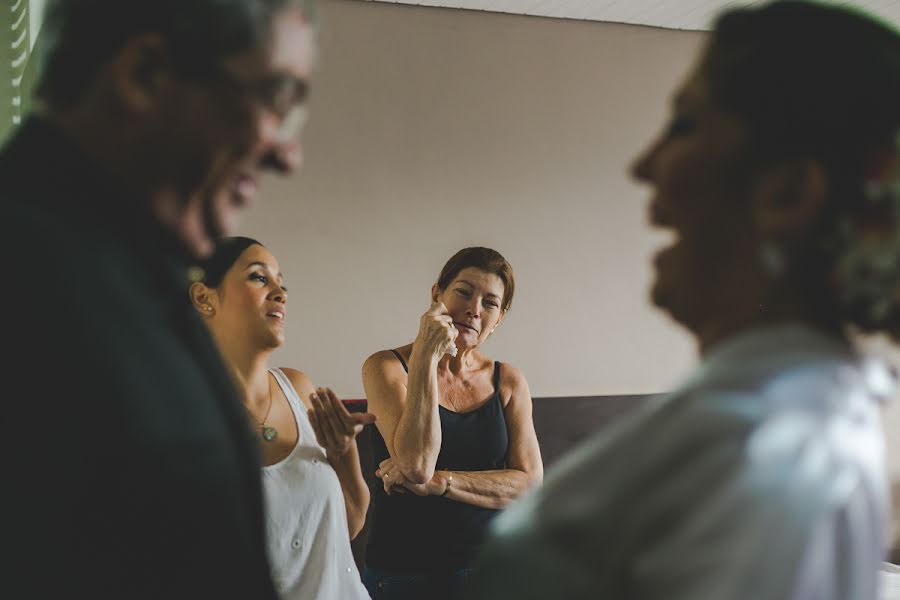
<point>336,428</point>
<point>436,331</point>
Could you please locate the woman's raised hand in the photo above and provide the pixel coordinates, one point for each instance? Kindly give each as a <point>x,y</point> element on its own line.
<point>436,331</point>
<point>336,428</point>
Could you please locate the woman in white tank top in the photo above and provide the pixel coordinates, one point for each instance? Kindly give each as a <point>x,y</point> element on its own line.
<point>316,498</point>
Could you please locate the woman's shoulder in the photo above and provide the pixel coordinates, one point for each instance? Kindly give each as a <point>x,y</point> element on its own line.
<point>512,384</point>
<point>382,356</point>
<point>387,360</point>
<point>300,380</point>
<point>301,383</point>
<point>509,374</point>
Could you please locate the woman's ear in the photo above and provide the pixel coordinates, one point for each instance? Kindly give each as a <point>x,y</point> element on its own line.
<point>788,198</point>
<point>435,292</point>
<point>201,298</point>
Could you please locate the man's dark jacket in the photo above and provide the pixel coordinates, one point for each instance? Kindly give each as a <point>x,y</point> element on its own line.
<point>128,466</point>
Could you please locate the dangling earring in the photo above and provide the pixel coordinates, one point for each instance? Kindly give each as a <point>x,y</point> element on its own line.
<point>772,259</point>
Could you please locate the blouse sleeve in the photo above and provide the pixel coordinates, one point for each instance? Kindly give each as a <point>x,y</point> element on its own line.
<point>692,505</point>
<point>785,515</point>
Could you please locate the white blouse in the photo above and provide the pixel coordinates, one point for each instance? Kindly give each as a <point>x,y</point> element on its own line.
<point>890,582</point>
<point>761,478</point>
<point>306,519</point>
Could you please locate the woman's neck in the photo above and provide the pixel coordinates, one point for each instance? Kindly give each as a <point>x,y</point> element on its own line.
<point>466,360</point>
<point>249,369</point>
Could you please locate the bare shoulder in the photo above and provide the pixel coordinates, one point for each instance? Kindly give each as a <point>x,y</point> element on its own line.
<point>513,385</point>
<point>378,360</point>
<point>384,380</point>
<point>385,364</point>
<point>300,380</point>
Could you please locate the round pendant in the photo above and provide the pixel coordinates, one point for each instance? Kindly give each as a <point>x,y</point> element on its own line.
<point>269,433</point>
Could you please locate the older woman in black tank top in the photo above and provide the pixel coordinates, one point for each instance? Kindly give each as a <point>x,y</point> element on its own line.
<point>455,439</point>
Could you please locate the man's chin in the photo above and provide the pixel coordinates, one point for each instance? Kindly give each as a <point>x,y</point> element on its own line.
<point>189,229</point>
<point>662,300</point>
<point>220,220</point>
<point>200,240</point>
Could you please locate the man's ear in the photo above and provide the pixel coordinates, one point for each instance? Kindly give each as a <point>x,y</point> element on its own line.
<point>787,198</point>
<point>201,298</point>
<point>140,72</point>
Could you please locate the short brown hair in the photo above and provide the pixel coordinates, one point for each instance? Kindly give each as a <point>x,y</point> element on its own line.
<point>485,259</point>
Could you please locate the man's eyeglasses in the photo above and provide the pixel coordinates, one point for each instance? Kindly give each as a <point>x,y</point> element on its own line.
<point>284,95</point>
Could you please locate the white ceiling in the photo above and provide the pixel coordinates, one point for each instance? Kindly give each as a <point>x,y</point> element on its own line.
<point>672,14</point>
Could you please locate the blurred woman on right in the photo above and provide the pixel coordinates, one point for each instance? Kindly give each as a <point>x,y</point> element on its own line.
<point>762,476</point>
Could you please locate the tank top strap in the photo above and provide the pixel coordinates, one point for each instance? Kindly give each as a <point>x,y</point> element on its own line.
<point>400,358</point>
<point>299,409</point>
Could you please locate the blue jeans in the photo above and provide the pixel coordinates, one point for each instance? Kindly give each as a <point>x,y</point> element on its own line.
<point>435,585</point>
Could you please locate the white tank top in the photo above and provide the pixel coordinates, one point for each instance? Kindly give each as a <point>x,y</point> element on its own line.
<point>306,520</point>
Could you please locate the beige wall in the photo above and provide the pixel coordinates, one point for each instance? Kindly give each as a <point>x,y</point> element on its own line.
<point>434,129</point>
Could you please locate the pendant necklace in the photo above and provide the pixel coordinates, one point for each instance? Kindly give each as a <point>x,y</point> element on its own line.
<point>268,432</point>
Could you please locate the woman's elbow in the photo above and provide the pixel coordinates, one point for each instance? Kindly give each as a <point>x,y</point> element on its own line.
<point>418,474</point>
<point>530,478</point>
<point>356,514</point>
<point>356,525</point>
<point>416,469</point>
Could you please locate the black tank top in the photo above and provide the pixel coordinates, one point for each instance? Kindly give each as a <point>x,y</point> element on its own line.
<point>428,533</point>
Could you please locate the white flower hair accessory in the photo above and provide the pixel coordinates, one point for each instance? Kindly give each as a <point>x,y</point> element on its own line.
<point>867,272</point>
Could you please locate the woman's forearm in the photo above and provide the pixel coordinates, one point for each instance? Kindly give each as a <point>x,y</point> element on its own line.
<point>487,489</point>
<point>417,438</point>
<point>354,488</point>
